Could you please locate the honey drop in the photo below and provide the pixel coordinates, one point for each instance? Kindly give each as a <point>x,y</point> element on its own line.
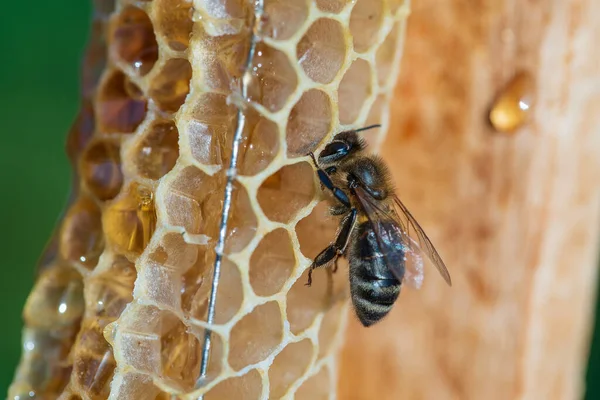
<point>513,106</point>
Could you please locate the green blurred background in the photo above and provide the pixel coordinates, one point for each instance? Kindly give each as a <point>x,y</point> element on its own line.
<point>41,47</point>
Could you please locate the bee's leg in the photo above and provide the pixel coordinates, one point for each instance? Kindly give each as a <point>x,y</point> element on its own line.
<point>326,181</point>
<point>335,250</point>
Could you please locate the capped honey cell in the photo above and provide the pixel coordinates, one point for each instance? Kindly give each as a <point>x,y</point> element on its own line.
<point>321,50</point>
<point>309,122</point>
<point>283,18</point>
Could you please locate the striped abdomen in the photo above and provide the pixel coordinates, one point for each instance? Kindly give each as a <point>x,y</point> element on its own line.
<point>373,287</point>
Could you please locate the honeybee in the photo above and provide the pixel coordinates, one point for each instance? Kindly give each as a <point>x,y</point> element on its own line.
<point>382,241</point>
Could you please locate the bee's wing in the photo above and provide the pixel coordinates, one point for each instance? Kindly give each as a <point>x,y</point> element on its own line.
<point>408,271</point>
<point>411,227</point>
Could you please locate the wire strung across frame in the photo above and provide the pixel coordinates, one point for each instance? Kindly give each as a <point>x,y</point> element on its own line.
<point>231,176</point>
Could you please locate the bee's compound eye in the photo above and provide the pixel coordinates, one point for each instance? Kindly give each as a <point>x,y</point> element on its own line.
<point>335,150</point>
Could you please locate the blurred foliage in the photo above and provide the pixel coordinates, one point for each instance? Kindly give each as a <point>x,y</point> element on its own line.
<point>42,46</point>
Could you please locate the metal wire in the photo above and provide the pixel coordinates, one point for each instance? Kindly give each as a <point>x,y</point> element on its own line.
<point>231,176</point>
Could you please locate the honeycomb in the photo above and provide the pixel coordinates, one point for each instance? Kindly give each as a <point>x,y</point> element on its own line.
<point>120,307</point>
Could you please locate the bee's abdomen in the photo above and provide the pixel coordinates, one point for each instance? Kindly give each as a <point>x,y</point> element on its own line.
<point>372,297</point>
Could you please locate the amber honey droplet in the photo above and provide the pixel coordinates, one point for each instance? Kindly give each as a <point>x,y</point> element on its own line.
<point>81,238</point>
<point>120,107</point>
<point>157,153</point>
<point>130,222</point>
<point>101,170</point>
<point>133,40</point>
<point>513,106</point>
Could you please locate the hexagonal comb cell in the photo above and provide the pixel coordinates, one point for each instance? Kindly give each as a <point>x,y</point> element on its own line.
<point>111,290</point>
<point>355,88</point>
<point>263,328</point>
<point>198,287</point>
<point>289,366</point>
<point>271,263</point>
<point>322,49</point>
<point>129,222</point>
<point>309,122</point>
<point>304,303</point>
<point>101,169</point>
<point>119,108</point>
<point>157,152</point>
<point>172,84</point>
<point>333,6</point>
<point>273,78</point>
<point>94,363</point>
<point>81,238</point>
<point>157,342</point>
<point>316,387</point>
<point>211,134</point>
<point>248,386</point>
<point>330,325</point>
<point>174,22</point>
<point>287,191</point>
<point>194,200</point>
<point>319,220</point>
<point>132,39</point>
<point>365,23</point>
<point>386,53</point>
<point>81,131</point>
<point>283,18</point>
<point>56,300</point>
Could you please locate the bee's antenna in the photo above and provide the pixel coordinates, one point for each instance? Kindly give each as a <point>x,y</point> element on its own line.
<point>366,128</point>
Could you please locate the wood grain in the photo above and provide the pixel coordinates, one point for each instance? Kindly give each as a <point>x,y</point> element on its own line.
<point>515,217</point>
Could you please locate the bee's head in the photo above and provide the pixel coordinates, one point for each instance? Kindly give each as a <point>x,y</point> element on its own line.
<point>343,145</point>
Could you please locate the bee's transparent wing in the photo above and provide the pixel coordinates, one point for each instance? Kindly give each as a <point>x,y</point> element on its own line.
<point>409,271</point>
<point>411,227</point>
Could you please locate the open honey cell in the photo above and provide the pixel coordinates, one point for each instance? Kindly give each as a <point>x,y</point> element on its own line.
<point>194,202</point>
<point>376,116</point>
<point>210,130</point>
<point>81,131</point>
<point>132,39</point>
<point>81,238</point>
<point>305,303</point>
<point>129,221</point>
<point>330,326</point>
<point>316,387</point>
<point>283,18</point>
<point>158,151</point>
<point>287,191</point>
<point>101,169</point>
<point>220,59</point>
<point>171,85</point>
<point>135,386</point>
<point>333,6</point>
<point>365,23</point>
<point>319,220</point>
<point>288,366</point>
<point>174,22</point>
<point>259,145</point>
<point>46,367</point>
<point>355,88</point>
<point>56,300</point>
<point>119,108</point>
<point>309,122</point>
<point>272,263</point>
<point>384,58</point>
<point>110,291</point>
<point>273,78</point>
<point>321,50</point>
<point>156,342</point>
<point>93,370</point>
<point>256,336</point>
<point>197,289</point>
<point>247,386</point>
